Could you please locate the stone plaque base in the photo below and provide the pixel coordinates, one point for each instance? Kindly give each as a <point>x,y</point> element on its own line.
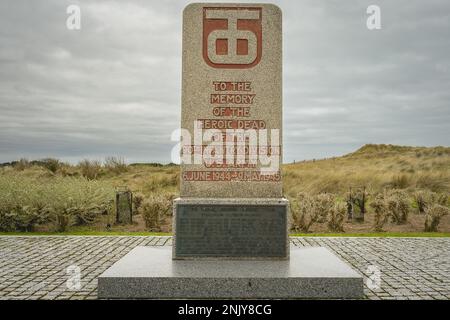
<point>230,228</point>
<point>150,273</point>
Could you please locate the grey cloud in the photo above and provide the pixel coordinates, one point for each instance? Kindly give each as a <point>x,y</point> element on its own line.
<point>113,88</point>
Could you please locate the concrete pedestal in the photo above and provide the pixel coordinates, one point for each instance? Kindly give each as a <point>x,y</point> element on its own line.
<point>150,272</point>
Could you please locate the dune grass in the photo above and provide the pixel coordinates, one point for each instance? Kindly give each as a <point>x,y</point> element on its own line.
<point>375,167</point>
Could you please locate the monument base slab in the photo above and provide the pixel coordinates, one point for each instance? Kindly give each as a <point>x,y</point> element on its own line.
<point>150,273</point>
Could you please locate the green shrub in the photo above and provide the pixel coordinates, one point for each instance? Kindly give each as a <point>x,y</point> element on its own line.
<point>138,198</point>
<point>26,202</point>
<point>421,199</point>
<point>62,220</point>
<point>153,209</point>
<point>433,215</point>
<point>381,213</point>
<point>22,164</point>
<point>426,198</point>
<point>323,203</point>
<point>336,217</point>
<point>302,212</point>
<point>307,210</point>
<point>116,165</point>
<point>51,164</point>
<point>397,206</point>
<point>80,201</point>
<point>21,203</point>
<point>391,204</point>
<point>90,169</point>
<point>20,218</point>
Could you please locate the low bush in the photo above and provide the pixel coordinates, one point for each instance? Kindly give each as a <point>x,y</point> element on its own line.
<point>397,206</point>
<point>25,202</point>
<point>138,199</point>
<point>391,204</point>
<point>336,217</point>
<point>307,210</point>
<point>90,169</point>
<point>22,164</point>
<point>323,203</point>
<point>302,212</point>
<point>381,213</point>
<point>433,215</point>
<point>421,200</point>
<point>153,209</point>
<point>116,165</point>
<point>426,198</point>
<point>51,164</point>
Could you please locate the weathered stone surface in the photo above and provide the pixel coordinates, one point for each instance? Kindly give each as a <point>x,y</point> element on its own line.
<point>124,208</point>
<point>232,84</point>
<point>233,228</point>
<point>148,272</point>
<point>231,79</point>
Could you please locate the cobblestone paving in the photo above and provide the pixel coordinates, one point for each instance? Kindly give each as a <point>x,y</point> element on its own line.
<point>37,267</point>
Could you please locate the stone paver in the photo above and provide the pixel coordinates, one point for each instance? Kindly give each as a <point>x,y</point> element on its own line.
<point>45,267</point>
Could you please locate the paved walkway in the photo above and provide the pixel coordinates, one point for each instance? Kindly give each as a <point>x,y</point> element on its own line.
<point>46,267</point>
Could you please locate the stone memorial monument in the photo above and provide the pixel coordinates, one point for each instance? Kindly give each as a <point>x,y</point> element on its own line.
<point>231,202</point>
<point>231,223</point>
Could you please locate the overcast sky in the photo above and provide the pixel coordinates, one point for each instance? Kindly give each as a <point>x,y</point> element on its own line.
<point>113,87</point>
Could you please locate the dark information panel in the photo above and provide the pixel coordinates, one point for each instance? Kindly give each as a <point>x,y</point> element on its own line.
<point>231,231</point>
